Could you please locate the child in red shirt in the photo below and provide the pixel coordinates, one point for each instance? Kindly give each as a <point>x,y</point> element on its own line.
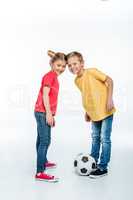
<point>45,110</point>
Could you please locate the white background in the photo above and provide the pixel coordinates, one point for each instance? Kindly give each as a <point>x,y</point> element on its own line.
<point>102,31</point>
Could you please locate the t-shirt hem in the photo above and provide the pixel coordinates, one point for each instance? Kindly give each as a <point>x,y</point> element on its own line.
<point>103,117</point>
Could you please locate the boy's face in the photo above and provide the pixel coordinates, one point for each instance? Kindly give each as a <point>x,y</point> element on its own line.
<point>59,66</point>
<point>75,65</point>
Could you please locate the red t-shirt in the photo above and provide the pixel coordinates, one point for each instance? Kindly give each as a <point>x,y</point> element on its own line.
<point>50,80</point>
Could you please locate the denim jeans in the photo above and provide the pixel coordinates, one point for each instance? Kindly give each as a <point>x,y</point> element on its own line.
<point>101,137</point>
<point>43,140</point>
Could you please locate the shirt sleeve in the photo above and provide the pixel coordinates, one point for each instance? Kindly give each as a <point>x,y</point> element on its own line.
<point>48,80</point>
<point>98,74</point>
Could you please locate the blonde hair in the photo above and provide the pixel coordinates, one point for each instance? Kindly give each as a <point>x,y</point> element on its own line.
<point>77,54</point>
<point>56,56</point>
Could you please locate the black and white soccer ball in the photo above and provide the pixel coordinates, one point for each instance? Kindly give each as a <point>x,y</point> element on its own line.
<point>84,164</point>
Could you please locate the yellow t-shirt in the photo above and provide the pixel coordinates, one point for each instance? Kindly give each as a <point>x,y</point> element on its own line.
<point>94,93</point>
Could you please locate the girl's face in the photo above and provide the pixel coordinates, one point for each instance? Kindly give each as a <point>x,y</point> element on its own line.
<point>58,66</point>
<point>75,65</point>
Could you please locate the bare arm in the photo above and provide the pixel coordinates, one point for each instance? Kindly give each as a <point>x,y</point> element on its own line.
<point>49,117</point>
<point>109,84</point>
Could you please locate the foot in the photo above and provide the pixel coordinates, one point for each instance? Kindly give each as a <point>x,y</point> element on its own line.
<point>45,177</point>
<point>98,173</point>
<point>50,165</point>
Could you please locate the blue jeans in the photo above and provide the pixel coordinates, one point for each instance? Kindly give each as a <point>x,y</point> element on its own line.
<point>43,140</point>
<point>101,136</point>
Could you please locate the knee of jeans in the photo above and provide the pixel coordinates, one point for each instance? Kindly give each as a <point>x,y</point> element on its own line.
<point>105,140</point>
<point>95,138</point>
<point>44,142</point>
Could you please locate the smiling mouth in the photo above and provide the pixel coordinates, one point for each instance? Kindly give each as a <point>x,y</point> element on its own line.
<point>75,71</point>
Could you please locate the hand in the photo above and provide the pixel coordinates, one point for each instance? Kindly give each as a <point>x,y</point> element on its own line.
<point>50,119</point>
<point>54,122</point>
<point>110,105</point>
<point>87,118</point>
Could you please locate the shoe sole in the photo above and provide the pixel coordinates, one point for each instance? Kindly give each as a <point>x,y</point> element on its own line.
<point>51,167</point>
<point>95,177</point>
<point>50,181</point>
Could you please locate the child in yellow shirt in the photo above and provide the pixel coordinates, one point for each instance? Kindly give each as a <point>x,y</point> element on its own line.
<point>96,90</point>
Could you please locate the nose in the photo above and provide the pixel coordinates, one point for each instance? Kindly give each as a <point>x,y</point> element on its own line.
<point>73,67</point>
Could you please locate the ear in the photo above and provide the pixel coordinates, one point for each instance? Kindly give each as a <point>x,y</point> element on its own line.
<point>51,53</point>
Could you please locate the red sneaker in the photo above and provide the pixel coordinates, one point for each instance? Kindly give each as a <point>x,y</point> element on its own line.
<point>50,165</point>
<point>45,177</point>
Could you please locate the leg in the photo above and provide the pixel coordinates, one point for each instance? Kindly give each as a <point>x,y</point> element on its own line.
<point>96,130</point>
<point>44,140</point>
<point>106,142</point>
<point>49,139</point>
<point>37,141</point>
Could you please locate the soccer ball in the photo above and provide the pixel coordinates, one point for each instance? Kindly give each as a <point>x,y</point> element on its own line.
<point>84,164</point>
